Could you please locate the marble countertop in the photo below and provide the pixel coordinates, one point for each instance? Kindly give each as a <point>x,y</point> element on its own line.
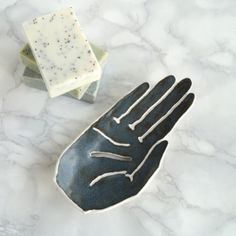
<point>194,192</point>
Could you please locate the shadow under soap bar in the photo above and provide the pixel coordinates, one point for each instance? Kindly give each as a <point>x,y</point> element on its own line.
<point>62,52</point>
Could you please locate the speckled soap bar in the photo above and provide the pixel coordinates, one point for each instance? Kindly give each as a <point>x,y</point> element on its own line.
<point>32,77</point>
<point>34,80</point>
<point>29,61</point>
<point>62,52</point>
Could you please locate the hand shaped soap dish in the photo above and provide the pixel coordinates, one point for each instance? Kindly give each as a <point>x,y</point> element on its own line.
<point>115,157</point>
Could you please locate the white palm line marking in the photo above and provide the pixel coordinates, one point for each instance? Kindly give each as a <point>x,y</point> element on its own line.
<point>110,139</point>
<point>118,119</point>
<point>150,109</point>
<point>110,155</point>
<point>162,119</point>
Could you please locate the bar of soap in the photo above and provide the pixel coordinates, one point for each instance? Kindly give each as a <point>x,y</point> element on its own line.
<point>33,79</point>
<point>27,57</point>
<point>63,54</point>
<point>91,93</point>
<point>28,60</point>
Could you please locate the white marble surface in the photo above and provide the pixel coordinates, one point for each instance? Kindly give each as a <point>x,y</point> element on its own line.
<point>194,192</point>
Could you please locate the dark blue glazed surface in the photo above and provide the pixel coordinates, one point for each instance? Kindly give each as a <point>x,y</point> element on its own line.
<point>78,168</point>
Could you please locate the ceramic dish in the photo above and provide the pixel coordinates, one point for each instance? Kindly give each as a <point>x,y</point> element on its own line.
<point>114,158</point>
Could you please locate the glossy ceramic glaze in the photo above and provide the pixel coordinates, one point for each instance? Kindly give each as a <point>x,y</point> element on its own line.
<point>115,157</point>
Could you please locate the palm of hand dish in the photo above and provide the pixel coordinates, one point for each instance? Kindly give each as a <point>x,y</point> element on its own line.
<point>115,157</point>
